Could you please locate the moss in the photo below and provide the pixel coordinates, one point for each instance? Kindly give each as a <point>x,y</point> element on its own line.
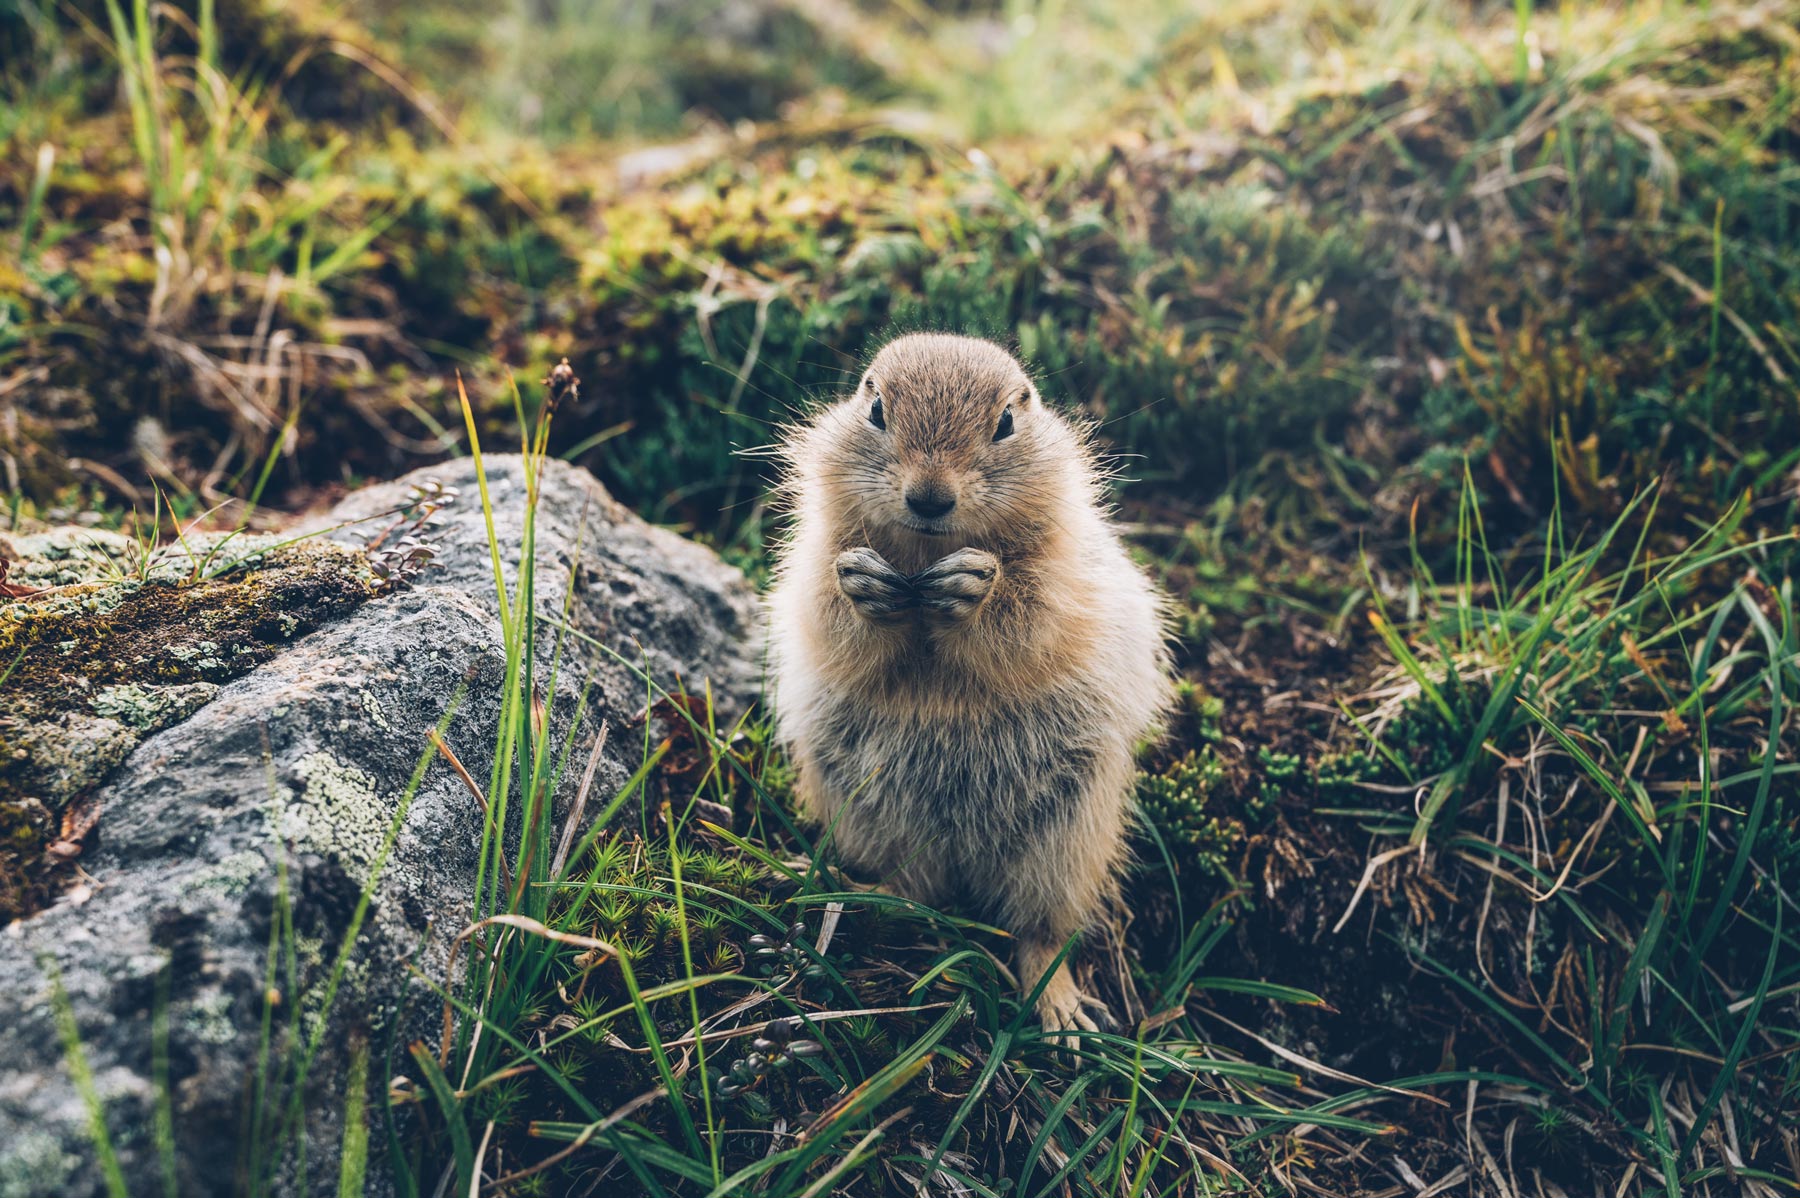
<point>1197,712</point>
<point>1319,299</point>
<point>116,652</point>
<point>68,556</point>
<point>1182,805</point>
<point>826,247</point>
<point>54,757</point>
<point>26,827</point>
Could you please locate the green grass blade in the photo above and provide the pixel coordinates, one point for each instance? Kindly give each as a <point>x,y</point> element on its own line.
<point>353,1160</point>
<point>83,1077</point>
<point>438,1086</point>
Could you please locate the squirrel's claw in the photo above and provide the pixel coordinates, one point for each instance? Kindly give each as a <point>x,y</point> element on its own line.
<point>875,589</point>
<point>954,587</point>
<point>1060,1009</point>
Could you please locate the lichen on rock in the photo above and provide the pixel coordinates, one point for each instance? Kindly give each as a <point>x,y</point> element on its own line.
<point>114,646</point>
<point>147,708</point>
<point>339,813</point>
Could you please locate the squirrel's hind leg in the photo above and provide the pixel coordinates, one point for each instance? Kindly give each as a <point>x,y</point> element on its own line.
<point>1057,884</point>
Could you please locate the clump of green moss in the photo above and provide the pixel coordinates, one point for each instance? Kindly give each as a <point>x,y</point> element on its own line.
<point>1197,711</point>
<point>108,653</point>
<point>1182,805</point>
<point>759,283</point>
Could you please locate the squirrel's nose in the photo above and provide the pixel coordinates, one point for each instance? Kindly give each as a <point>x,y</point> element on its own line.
<point>929,502</point>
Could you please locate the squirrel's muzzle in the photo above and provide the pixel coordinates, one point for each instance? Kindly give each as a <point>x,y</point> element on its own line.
<point>930,500</point>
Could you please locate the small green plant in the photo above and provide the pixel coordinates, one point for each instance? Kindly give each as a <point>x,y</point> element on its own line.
<point>1183,804</point>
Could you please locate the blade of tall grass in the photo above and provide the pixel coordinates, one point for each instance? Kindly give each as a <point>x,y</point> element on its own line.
<point>34,201</point>
<point>1306,1116</point>
<point>1660,1141</point>
<point>1781,647</point>
<point>83,1076</point>
<point>438,1086</point>
<point>487,510</point>
<point>1095,1138</point>
<point>353,1158</point>
<point>1642,954</point>
<point>1572,1075</point>
<point>687,961</point>
<point>1417,1082</point>
<point>996,1058</point>
<point>163,1121</point>
<point>1053,1119</point>
<point>1269,990</point>
<point>1747,1025</point>
<point>1649,834</point>
<point>834,1122</point>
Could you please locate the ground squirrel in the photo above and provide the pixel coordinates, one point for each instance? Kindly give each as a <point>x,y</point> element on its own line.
<point>964,656</point>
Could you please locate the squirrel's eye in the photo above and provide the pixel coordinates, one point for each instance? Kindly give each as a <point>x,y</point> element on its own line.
<point>1005,429</point>
<point>875,416</point>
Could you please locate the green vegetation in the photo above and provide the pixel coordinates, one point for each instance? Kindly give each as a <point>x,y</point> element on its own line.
<point>1450,350</point>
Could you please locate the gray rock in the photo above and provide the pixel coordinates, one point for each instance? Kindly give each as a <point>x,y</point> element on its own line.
<point>304,760</point>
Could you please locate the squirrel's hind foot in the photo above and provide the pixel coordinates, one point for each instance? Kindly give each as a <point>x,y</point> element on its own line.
<point>1066,1011</point>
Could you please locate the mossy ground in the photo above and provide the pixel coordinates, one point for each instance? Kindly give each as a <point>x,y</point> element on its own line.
<point>1391,315</point>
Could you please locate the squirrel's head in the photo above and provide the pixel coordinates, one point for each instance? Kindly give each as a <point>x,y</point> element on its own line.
<point>944,437</point>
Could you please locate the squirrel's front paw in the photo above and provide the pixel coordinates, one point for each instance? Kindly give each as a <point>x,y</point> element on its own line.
<point>877,590</point>
<point>953,588</point>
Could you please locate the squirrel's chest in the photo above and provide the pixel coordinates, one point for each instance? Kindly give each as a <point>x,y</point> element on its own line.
<point>1027,763</point>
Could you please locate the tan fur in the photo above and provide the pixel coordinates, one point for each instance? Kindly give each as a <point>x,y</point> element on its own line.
<point>962,696</point>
